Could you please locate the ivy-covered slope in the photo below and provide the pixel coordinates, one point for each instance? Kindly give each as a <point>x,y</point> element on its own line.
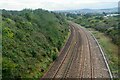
<point>31,40</point>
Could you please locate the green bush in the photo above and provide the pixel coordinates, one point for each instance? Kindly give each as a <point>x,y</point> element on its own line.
<point>31,40</point>
<point>108,25</point>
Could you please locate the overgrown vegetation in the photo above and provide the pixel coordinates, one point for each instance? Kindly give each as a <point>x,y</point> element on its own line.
<point>31,40</point>
<point>106,24</point>
<point>107,31</point>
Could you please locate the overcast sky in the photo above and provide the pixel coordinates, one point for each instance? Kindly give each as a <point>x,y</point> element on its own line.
<point>57,4</point>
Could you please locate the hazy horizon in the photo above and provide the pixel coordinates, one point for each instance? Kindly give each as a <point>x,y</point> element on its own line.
<point>57,4</point>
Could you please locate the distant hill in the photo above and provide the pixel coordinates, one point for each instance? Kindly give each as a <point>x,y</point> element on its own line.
<point>109,10</point>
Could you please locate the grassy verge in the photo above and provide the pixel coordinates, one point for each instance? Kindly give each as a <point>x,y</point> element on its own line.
<point>110,49</point>
<point>65,40</point>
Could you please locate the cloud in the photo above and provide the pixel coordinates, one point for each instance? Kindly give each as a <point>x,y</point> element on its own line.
<point>56,4</point>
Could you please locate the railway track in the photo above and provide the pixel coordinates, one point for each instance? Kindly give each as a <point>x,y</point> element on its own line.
<point>55,66</point>
<point>90,55</point>
<point>68,64</point>
<point>80,58</point>
<point>73,60</point>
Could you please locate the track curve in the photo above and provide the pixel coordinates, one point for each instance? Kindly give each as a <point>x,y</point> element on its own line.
<point>80,58</point>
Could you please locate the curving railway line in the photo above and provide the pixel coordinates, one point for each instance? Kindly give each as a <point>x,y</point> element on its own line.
<point>80,58</point>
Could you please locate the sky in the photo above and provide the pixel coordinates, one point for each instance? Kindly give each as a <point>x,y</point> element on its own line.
<point>57,4</point>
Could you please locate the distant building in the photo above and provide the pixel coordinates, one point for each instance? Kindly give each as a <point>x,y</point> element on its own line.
<point>108,15</point>
<point>112,14</point>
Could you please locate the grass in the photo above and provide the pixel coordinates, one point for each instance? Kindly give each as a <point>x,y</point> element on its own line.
<point>110,49</point>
